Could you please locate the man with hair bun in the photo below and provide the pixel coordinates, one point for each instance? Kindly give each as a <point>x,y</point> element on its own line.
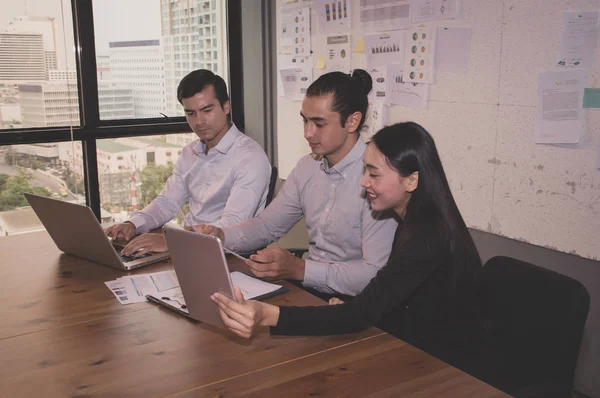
<point>348,242</point>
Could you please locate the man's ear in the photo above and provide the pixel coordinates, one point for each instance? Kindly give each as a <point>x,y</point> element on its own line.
<point>227,107</point>
<point>411,182</point>
<point>353,121</point>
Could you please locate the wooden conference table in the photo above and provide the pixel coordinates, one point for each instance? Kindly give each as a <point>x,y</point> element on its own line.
<point>64,334</point>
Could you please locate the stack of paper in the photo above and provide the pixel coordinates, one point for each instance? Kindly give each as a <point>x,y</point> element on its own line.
<point>250,287</point>
<point>134,288</point>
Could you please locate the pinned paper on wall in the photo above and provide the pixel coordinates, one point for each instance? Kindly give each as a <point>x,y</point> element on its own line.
<point>452,49</point>
<point>560,115</point>
<point>320,62</point>
<point>384,15</point>
<point>287,4</point>
<point>578,39</point>
<point>377,118</point>
<point>334,16</point>
<point>413,95</point>
<point>359,46</point>
<point>296,82</point>
<point>338,53</point>
<point>419,55</point>
<point>384,48</point>
<point>379,84</point>
<point>294,34</point>
<point>287,62</point>
<point>434,10</point>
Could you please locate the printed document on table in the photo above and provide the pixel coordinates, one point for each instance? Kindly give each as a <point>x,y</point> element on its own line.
<point>434,10</point>
<point>384,48</point>
<point>579,39</point>
<point>134,288</point>
<point>560,115</point>
<point>250,287</point>
<point>384,15</point>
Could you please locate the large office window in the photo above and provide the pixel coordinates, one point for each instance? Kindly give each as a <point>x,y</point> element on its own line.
<point>102,125</point>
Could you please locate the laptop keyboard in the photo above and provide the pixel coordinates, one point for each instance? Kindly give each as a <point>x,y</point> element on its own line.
<point>132,257</point>
<point>127,259</point>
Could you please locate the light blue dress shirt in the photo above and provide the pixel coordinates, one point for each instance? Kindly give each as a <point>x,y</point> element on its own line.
<point>227,185</point>
<point>348,243</point>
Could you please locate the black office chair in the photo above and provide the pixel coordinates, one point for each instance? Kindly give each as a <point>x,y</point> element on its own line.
<point>272,183</point>
<point>535,319</point>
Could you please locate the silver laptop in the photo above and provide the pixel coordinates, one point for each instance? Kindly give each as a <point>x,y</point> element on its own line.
<point>201,268</point>
<point>76,231</point>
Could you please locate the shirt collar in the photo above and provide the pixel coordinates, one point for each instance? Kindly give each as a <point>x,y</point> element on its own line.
<point>348,161</point>
<point>224,145</point>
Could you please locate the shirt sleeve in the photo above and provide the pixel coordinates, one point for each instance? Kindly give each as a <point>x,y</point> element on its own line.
<point>350,278</point>
<point>271,224</point>
<point>166,205</point>
<point>392,285</point>
<point>249,191</point>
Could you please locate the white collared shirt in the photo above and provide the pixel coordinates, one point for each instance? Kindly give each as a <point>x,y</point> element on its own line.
<point>225,186</point>
<point>348,243</point>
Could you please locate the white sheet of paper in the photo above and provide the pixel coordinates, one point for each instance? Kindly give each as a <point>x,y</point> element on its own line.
<point>384,48</point>
<point>413,95</point>
<point>295,82</point>
<point>290,62</point>
<point>379,84</point>
<point>579,39</point>
<point>377,117</point>
<point>560,115</point>
<point>134,288</point>
<point>384,15</point>
<point>334,16</point>
<point>252,287</point>
<point>118,288</point>
<point>294,32</point>
<point>419,55</point>
<point>249,286</point>
<point>338,54</point>
<point>287,4</point>
<point>164,280</point>
<point>452,49</point>
<point>434,10</point>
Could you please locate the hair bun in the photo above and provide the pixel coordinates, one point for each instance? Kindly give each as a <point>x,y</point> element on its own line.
<point>362,78</point>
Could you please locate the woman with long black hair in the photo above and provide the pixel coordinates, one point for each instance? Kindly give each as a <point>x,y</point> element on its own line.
<point>425,294</point>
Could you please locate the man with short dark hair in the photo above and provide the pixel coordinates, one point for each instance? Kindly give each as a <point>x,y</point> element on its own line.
<point>224,174</point>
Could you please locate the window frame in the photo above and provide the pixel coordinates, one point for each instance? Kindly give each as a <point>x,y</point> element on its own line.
<point>91,128</point>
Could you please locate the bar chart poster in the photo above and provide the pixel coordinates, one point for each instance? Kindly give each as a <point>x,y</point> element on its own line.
<point>334,16</point>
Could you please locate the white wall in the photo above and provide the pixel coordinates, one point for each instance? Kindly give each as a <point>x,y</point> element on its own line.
<point>483,124</point>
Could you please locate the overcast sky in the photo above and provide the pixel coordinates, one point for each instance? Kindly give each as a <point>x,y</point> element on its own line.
<point>114,20</point>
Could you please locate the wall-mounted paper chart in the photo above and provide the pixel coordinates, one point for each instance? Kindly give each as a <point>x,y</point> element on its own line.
<point>335,16</point>
<point>384,48</point>
<point>338,53</point>
<point>419,52</point>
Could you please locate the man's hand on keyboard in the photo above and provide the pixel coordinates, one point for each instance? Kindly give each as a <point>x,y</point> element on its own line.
<point>124,230</point>
<point>144,244</point>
